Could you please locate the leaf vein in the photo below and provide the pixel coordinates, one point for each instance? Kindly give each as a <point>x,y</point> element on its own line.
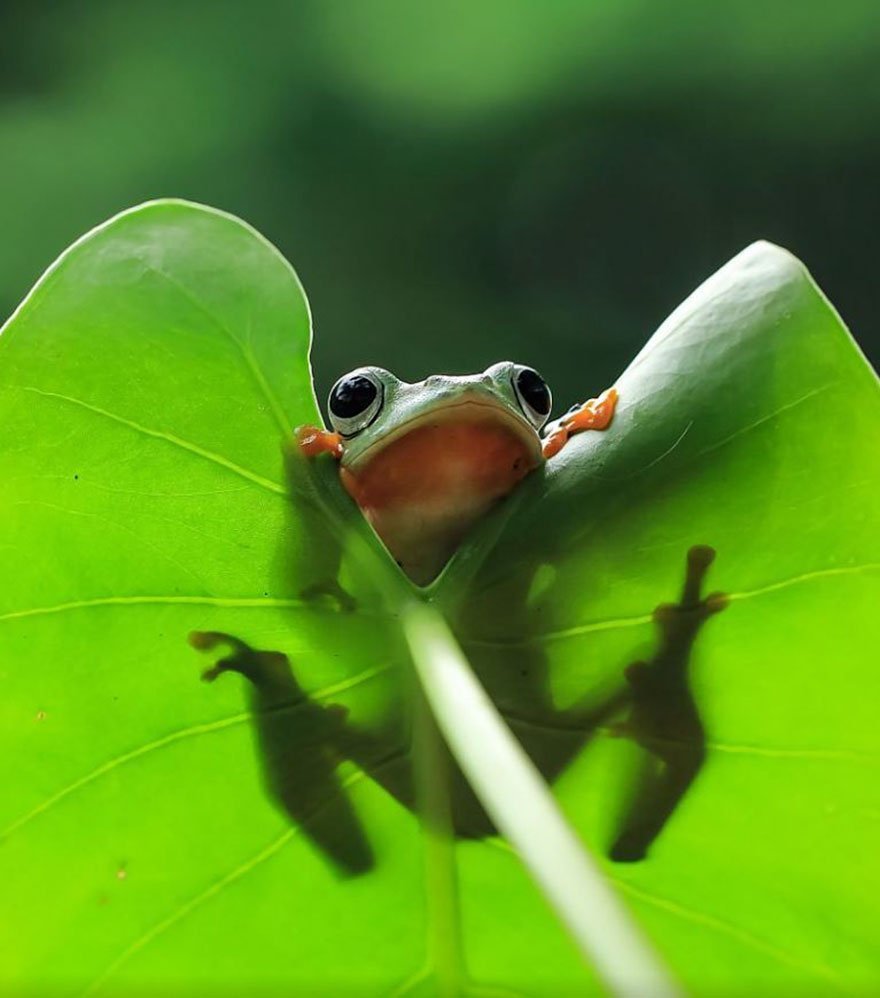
<point>407,985</point>
<point>266,483</point>
<point>250,360</point>
<point>228,602</point>
<point>611,624</point>
<point>177,736</point>
<point>187,906</point>
<point>731,748</point>
<point>822,573</point>
<point>219,885</point>
<point>707,921</point>
<point>763,419</point>
<point>723,927</point>
<point>615,623</point>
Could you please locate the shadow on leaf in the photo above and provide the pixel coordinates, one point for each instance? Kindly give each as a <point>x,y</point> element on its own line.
<point>299,747</point>
<point>663,717</point>
<point>301,742</point>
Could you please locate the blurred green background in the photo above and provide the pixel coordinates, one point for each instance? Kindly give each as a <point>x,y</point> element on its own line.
<point>460,182</point>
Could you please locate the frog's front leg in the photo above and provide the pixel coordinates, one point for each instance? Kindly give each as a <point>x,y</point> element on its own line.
<point>594,414</point>
<point>312,441</point>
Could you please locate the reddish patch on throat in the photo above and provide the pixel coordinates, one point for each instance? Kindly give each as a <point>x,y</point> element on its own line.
<point>444,460</point>
<point>423,491</point>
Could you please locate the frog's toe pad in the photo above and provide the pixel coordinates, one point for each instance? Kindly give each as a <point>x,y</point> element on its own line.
<point>209,640</point>
<point>716,602</point>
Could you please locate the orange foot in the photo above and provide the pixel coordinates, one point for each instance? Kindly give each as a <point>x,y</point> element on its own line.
<point>313,441</point>
<point>595,414</point>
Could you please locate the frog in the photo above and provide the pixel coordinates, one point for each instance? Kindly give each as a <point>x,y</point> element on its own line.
<point>426,461</point>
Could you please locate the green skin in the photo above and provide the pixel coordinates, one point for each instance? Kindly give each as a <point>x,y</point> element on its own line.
<point>406,406</point>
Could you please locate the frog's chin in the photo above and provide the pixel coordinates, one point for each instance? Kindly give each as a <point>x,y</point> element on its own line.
<point>424,486</point>
<point>468,411</point>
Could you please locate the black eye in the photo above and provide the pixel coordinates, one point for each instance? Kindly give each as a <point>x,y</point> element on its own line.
<point>533,395</point>
<point>352,395</point>
<point>354,402</point>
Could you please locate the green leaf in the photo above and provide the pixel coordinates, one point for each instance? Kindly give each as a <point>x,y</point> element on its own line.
<point>749,422</point>
<point>154,829</point>
<point>148,382</point>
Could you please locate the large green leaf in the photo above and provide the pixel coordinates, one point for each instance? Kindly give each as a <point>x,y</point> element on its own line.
<point>148,384</point>
<point>749,422</point>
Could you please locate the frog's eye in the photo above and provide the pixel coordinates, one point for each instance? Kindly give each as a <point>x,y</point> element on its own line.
<point>354,402</point>
<point>533,395</point>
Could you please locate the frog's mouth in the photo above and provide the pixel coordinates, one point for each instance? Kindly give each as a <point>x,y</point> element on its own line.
<point>423,486</point>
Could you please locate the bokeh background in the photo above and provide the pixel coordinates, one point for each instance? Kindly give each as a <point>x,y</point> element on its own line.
<point>465,181</point>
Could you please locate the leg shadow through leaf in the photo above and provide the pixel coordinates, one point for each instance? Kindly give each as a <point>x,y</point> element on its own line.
<point>663,717</point>
<point>301,743</point>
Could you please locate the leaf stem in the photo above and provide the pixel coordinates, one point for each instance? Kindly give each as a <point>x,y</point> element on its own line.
<point>432,782</point>
<point>522,807</point>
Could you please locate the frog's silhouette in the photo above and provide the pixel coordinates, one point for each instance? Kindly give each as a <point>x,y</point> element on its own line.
<point>301,743</point>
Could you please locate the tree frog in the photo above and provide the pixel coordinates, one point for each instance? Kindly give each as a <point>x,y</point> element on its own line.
<point>425,461</point>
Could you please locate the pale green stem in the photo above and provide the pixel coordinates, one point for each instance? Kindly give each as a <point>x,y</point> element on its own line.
<point>432,784</point>
<point>520,804</point>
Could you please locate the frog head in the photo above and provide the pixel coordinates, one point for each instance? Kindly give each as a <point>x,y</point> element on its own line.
<point>426,461</point>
